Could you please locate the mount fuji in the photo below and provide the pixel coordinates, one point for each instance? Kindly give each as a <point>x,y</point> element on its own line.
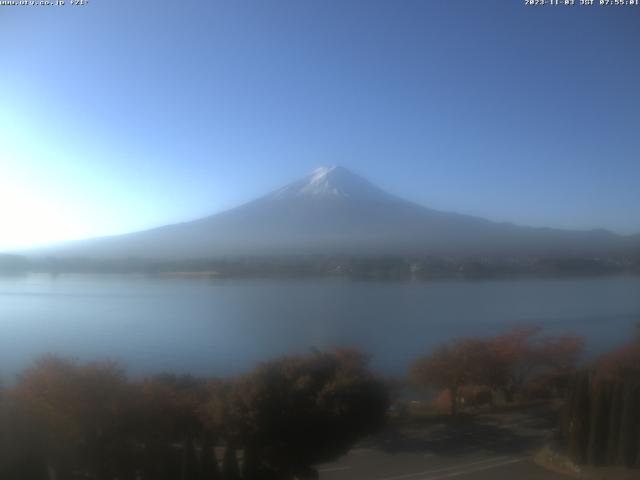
<point>335,211</point>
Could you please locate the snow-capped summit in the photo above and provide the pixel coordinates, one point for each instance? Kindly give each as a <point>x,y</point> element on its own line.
<point>322,181</point>
<point>330,181</point>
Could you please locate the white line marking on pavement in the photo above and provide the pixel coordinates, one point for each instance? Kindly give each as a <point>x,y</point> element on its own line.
<point>333,469</point>
<point>446,469</point>
<point>474,470</point>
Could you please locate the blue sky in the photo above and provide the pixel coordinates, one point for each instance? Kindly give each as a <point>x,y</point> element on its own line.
<point>120,115</point>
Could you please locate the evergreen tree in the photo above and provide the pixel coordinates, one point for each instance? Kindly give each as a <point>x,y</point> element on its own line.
<point>208,462</point>
<point>614,423</point>
<point>189,461</point>
<point>596,452</point>
<point>230,470</point>
<point>579,420</point>
<point>251,464</point>
<point>628,425</point>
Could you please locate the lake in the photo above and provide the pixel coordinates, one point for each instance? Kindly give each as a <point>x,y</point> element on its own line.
<point>223,327</point>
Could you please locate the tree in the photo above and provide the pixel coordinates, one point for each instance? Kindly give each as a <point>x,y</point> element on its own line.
<point>170,406</point>
<point>250,464</point>
<point>578,418</point>
<point>621,363</point>
<point>523,354</point>
<point>208,462</point>
<point>189,468</point>
<point>167,414</point>
<point>21,450</point>
<point>599,426</point>
<point>298,411</point>
<point>82,413</point>
<point>503,362</point>
<point>462,362</point>
<point>230,469</point>
<point>629,421</point>
<point>615,416</point>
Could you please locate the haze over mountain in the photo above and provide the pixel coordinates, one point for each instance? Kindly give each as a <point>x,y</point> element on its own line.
<point>334,211</point>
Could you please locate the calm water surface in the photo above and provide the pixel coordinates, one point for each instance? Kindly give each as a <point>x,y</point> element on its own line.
<point>225,326</point>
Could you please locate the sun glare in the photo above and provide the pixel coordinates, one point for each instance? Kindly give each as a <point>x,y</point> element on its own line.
<point>29,217</point>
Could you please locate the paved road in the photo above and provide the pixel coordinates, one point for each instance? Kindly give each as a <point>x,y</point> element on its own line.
<point>493,447</point>
<point>379,466</point>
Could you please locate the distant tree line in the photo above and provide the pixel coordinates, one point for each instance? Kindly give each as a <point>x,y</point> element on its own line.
<point>14,264</point>
<point>383,267</point>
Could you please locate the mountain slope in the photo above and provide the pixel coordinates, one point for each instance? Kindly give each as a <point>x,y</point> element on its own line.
<point>332,210</point>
